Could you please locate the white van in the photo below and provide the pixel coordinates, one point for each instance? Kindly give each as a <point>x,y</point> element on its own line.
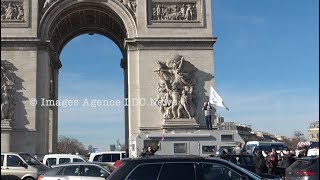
<point>202,142</point>
<point>265,146</point>
<point>109,156</point>
<point>53,159</point>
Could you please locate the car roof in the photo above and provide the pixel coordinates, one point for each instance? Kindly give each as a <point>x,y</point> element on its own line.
<point>235,155</point>
<point>170,158</point>
<point>63,155</point>
<point>111,152</point>
<point>15,153</point>
<point>80,163</point>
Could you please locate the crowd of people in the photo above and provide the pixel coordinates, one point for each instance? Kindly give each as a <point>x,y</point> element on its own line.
<point>266,162</point>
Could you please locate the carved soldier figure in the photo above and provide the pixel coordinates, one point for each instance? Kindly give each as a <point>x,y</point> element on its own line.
<point>175,101</point>
<point>20,13</point>
<point>9,12</point>
<point>184,106</point>
<point>5,102</point>
<point>158,12</point>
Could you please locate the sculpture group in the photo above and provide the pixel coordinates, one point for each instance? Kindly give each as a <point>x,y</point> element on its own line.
<point>7,92</point>
<point>12,11</point>
<point>174,11</point>
<point>176,88</point>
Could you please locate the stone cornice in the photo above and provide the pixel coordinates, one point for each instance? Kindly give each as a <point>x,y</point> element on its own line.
<point>29,44</point>
<point>22,42</point>
<point>163,43</point>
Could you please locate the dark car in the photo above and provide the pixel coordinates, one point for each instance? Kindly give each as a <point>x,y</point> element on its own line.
<point>246,161</point>
<point>242,160</point>
<point>180,167</point>
<point>306,168</point>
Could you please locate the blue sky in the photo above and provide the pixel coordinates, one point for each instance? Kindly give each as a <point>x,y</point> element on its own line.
<point>266,70</point>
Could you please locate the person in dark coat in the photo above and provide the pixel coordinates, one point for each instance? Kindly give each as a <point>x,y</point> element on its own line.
<point>260,163</point>
<point>287,159</point>
<point>150,151</point>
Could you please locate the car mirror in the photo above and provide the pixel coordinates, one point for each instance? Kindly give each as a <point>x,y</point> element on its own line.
<point>104,176</point>
<point>22,164</point>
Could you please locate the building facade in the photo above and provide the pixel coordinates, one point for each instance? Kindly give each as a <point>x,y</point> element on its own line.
<point>314,131</point>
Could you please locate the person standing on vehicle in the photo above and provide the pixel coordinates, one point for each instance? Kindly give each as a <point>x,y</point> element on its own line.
<point>150,151</point>
<point>207,113</point>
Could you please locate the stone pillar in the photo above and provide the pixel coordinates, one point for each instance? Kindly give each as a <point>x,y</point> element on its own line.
<point>126,120</point>
<point>43,94</point>
<point>6,130</point>
<point>53,110</point>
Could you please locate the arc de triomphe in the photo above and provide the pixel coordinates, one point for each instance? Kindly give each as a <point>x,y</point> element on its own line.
<point>167,48</point>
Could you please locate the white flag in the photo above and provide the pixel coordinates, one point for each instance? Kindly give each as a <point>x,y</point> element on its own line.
<point>216,99</point>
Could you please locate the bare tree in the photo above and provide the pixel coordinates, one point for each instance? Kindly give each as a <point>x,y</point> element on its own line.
<point>67,145</point>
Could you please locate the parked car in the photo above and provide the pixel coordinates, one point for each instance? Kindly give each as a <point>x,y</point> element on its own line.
<point>180,167</point>
<point>246,161</point>
<point>54,159</point>
<point>306,168</point>
<point>20,166</point>
<point>78,171</point>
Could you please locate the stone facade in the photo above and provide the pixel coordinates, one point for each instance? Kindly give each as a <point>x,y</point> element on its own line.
<point>35,31</point>
<point>314,131</point>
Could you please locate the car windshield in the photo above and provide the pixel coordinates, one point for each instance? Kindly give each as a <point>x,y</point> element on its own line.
<point>30,160</point>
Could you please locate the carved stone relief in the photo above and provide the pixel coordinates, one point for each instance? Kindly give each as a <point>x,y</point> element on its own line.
<point>174,11</point>
<point>7,93</point>
<point>176,97</point>
<point>48,3</point>
<point>131,5</point>
<point>12,11</point>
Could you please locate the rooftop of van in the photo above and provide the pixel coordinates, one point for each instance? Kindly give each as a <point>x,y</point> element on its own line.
<point>109,152</point>
<point>252,142</point>
<point>69,155</point>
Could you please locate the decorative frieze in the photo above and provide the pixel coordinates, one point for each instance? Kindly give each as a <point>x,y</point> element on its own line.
<point>174,11</point>
<point>14,13</point>
<point>181,13</point>
<point>131,5</point>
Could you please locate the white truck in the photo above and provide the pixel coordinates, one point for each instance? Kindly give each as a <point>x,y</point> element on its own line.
<point>201,142</point>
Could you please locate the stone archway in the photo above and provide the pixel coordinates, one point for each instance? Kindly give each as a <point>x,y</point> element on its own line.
<point>64,20</point>
<point>170,40</point>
